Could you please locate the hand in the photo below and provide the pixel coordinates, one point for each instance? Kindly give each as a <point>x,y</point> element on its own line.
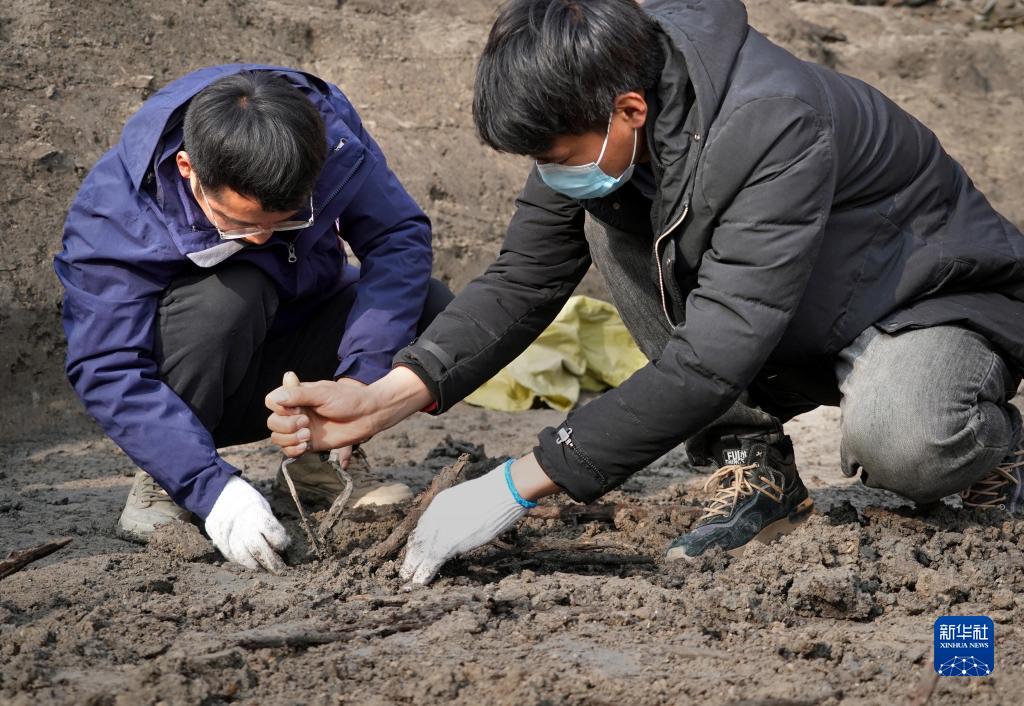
<point>460,519</point>
<point>244,529</point>
<point>343,456</point>
<point>318,416</point>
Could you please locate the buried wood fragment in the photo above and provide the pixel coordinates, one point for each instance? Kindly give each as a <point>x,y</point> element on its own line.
<point>304,634</point>
<point>392,545</point>
<point>19,559</point>
<point>606,512</point>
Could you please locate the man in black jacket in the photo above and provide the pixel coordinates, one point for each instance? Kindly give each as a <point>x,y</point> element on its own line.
<point>777,236</point>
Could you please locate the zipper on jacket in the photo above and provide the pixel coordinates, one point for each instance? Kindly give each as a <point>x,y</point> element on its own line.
<point>292,254</point>
<point>564,438</point>
<point>657,260</point>
<point>345,181</point>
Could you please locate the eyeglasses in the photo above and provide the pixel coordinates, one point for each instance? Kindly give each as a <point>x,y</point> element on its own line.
<point>247,231</point>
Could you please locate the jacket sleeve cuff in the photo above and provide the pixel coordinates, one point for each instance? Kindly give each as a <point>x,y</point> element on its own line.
<point>207,488</point>
<point>567,468</point>
<point>365,369</point>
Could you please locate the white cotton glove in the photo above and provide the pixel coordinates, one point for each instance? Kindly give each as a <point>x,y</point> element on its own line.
<point>460,519</point>
<point>244,529</point>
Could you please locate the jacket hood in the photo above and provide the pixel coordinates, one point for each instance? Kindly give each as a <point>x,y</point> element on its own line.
<point>142,133</point>
<point>701,40</point>
<point>709,35</point>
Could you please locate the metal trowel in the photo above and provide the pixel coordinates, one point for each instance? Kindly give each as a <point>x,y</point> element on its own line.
<point>317,540</point>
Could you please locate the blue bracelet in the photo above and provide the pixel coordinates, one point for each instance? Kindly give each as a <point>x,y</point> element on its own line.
<point>512,487</point>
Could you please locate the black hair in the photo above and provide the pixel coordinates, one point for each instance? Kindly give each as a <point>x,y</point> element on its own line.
<point>257,134</point>
<point>555,67</point>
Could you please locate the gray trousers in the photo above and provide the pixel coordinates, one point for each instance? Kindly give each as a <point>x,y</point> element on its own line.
<point>925,412</point>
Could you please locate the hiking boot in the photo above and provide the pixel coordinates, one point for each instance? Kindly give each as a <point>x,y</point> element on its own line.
<point>316,482</point>
<point>147,507</point>
<point>758,495</point>
<point>1003,488</point>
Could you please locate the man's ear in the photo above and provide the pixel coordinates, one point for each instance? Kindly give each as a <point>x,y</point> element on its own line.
<point>633,107</point>
<point>184,164</point>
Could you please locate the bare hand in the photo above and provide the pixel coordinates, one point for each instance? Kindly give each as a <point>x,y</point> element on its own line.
<point>319,416</point>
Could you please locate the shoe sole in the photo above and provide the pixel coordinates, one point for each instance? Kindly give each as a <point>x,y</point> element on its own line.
<point>140,533</point>
<point>767,535</point>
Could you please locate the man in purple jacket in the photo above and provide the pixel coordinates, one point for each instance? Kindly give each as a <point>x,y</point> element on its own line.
<point>204,256</point>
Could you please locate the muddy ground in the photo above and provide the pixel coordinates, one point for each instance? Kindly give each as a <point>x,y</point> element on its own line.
<point>839,612</point>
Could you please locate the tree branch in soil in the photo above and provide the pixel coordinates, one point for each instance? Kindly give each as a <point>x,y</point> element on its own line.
<point>392,545</point>
<point>19,559</point>
<point>606,512</point>
<point>304,635</point>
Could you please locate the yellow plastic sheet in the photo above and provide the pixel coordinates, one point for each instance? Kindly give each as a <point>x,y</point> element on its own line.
<point>586,347</point>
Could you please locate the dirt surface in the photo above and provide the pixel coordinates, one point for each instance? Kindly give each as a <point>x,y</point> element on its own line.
<point>841,611</point>
<point>73,71</point>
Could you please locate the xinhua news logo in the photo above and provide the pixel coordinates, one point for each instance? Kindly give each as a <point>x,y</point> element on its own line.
<point>965,646</point>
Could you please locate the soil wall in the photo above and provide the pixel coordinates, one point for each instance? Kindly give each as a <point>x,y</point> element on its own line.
<point>73,71</point>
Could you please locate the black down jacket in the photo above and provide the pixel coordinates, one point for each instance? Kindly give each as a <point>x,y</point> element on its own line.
<point>796,207</point>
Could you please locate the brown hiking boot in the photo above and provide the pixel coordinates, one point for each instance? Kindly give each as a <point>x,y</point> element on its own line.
<point>1003,488</point>
<point>317,483</point>
<point>148,506</point>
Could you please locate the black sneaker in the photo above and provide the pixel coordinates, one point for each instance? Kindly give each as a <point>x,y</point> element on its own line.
<point>1003,488</point>
<point>759,496</point>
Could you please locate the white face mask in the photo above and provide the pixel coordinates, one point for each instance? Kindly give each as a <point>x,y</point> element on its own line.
<point>587,181</point>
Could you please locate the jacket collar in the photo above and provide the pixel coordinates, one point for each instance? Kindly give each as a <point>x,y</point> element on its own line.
<point>153,135</point>
<point>701,40</point>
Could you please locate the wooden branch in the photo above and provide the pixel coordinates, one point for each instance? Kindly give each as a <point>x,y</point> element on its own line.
<point>606,512</point>
<point>572,546</point>
<point>390,547</point>
<point>19,559</point>
<point>301,634</point>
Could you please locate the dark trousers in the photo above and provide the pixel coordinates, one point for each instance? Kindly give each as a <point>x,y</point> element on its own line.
<point>925,413</point>
<point>213,348</point>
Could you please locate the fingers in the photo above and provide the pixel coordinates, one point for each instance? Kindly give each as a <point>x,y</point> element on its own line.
<point>426,572</point>
<point>287,424</point>
<point>266,557</point>
<point>421,568</point>
<point>302,436</point>
<point>276,535</point>
<point>423,559</point>
<point>343,456</point>
<point>257,550</point>
<point>305,395</point>
<point>239,553</point>
<point>291,433</point>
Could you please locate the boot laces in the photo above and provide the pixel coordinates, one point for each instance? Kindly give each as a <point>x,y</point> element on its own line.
<point>993,489</point>
<point>150,492</point>
<point>730,490</point>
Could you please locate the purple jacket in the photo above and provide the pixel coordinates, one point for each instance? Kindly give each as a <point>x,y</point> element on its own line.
<point>133,228</point>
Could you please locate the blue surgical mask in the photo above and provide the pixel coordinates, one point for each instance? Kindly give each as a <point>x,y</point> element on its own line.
<point>586,181</point>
